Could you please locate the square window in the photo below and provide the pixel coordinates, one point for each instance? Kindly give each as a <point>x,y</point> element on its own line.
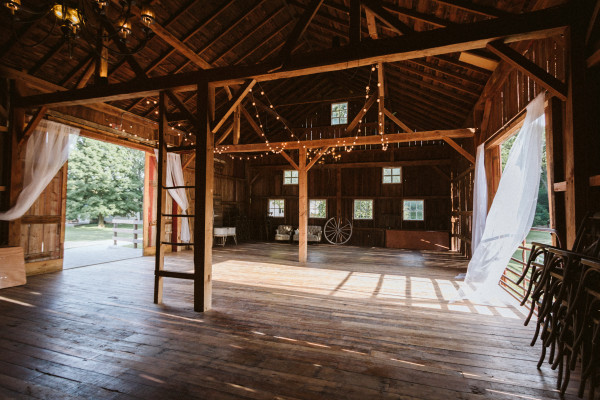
<point>392,175</point>
<point>413,210</point>
<point>317,209</point>
<point>290,177</point>
<point>339,113</point>
<point>363,209</point>
<point>277,208</point>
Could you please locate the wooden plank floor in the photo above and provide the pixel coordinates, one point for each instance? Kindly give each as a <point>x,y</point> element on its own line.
<point>354,323</point>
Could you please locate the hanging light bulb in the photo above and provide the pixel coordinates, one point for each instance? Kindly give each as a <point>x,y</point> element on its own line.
<point>147,15</point>
<point>12,5</point>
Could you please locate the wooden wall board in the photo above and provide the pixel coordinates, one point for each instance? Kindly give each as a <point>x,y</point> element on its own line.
<point>12,267</point>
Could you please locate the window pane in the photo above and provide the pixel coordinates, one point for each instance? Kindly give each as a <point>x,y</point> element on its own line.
<point>413,210</point>
<point>277,208</point>
<point>392,175</point>
<point>290,177</point>
<point>395,179</point>
<point>339,113</point>
<point>363,209</point>
<point>387,179</point>
<point>317,209</point>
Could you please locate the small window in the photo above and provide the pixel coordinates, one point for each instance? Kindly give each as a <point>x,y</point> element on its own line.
<point>317,209</point>
<point>290,177</point>
<point>413,210</point>
<point>277,208</point>
<point>392,175</point>
<point>363,209</point>
<point>339,113</point>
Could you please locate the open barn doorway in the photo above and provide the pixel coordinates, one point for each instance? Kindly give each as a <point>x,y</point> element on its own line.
<point>105,190</point>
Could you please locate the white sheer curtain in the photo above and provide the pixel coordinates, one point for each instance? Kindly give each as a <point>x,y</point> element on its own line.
<point>174,177</point>
<point>47,150</point>
<point>480,198</point>
<point>512,211</point>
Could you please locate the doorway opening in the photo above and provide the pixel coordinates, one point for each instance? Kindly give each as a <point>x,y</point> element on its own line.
<point>104,215</point>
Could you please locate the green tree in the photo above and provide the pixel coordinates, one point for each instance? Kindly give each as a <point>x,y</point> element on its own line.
<point>542,213</point>
<point>104,180</point>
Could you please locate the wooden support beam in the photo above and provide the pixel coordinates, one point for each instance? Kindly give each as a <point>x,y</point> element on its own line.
<point>33,123</point>
<point>577,126</point>
<point>290,160</point>
<point>225,134</point>
<point>299,29</point>
<point>474,8</point>
<point>478,60</point>
<point>203,224</point>
<point>533,25</point>
<point>273,112</point>
<point>537,73</point>
<point>371,24</point>
<point>178,45</point>
<point>87,74</point>
<point>237,125</point>
<point>388,19</point>
<point>395,120</point>
<point>302,207</point>
<point>233,104</point>
<point>338,192</point>
<point>457,147</point>
<point>355,19</point>
<point>252,123</point>
<point>189,161</point>
<point>381,98</point>
<point>316,158</point>
<point>593,59</point>
<point>354,123</point>
<point>182,108</point>
<point>560,186</point>
<point>350,141</point>
<point>595,180</point>
<point>417,16</point>
<point>161,199</point>
<point>555,166</point>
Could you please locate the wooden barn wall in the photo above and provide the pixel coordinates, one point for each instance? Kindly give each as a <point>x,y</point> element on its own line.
<point>418,182</point>
<point>42,227</point>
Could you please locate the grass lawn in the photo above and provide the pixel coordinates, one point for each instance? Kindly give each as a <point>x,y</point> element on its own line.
<point>91,232</point>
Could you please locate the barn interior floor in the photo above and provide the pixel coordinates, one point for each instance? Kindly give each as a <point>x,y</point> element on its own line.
<point>354,323</point>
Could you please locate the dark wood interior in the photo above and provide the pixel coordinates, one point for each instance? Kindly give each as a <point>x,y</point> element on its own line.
<point>243,91</point>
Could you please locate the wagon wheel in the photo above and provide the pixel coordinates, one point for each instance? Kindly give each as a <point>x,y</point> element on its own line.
<point>338,230</point>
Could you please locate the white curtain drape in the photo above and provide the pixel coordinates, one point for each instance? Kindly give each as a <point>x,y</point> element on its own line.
<point>47,150</point>
<point>174,177</point>
<point>512,211</point>
<point>480,198</point>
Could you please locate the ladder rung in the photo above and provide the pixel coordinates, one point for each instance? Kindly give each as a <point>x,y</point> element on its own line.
<point>177,243</point>
<point>179,215</point>
<point>179,187</point>
<point>173,274</point>
<point>175,149</point>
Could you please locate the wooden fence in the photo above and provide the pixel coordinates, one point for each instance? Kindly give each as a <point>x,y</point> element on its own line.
<point>135,231</point>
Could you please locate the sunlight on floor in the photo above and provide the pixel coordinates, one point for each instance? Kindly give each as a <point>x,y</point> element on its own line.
<point>305,281</point>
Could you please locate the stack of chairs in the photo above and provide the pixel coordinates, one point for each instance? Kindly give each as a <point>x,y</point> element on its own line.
<point>565,291</point>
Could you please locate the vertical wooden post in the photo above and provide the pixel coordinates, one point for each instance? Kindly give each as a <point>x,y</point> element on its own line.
<point>554,165</point>
<point>576,127</point>
<point>161,200</point>
<point>381,98</point>
<point>17,156</point>
<point>203,225</point>
<point>302,206</point>
<point>63,210</point>
<point>148,213</point>
<point>101,77</point>
<point>338,192</point>
<point>236,125</point>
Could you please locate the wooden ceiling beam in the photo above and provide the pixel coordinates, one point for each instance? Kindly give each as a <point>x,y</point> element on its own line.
<point>474,8</point>
<point>355,32</point>
<point>233,104</point>
<point>531,69</point>
<point>49,54</point>
<point>364,109</point>
<point>252,123</point>
<point>457,147</point>
<point>299,29</point>
<point>289,159</point>
<point>444,82</point>
<point>388,19</point>
<point>87,74</point>
<point>183,109</point>
<point>316,157</point>
<point>533,25</point>
<point>447,72</point>
<point>178,45</point>
<point>396,120</point>
<point>417,16</point>
<point>273,112</point>
<point>340,142</point>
